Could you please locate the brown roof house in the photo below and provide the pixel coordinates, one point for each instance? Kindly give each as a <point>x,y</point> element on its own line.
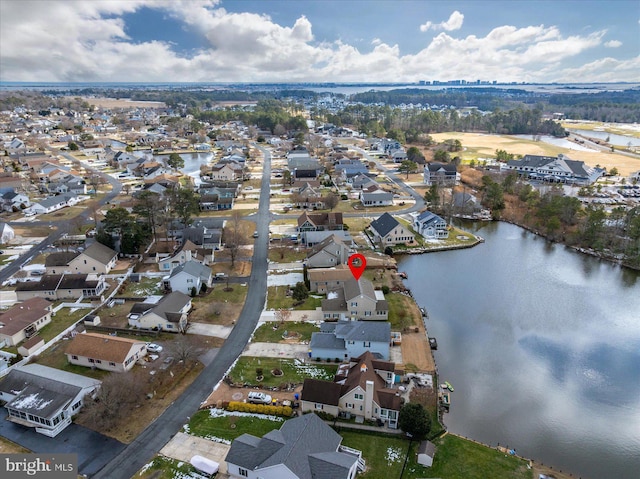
<point>168,314</point>
<point>322,280</point>
<point>102,351</point>
<point>362,389</point>
<point>24,320</point>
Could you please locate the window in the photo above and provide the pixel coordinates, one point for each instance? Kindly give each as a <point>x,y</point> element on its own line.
<point>98,361</point>
<point>367,344</point>
<point>243,472</point>
<point>74,357</point>
<point>359,396</point>
<point>354,304</point>
<point>319,406</point>
<point>91,360</point>
<point>112,364</point>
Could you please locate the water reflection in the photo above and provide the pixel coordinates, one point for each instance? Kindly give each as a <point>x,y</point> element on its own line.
<point>542,345</point>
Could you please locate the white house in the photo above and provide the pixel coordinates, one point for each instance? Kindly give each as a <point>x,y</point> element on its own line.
<point>167,314</point>
<point>44,398</point>
<point>187,276</point>
<point>102,351</point>
<point>430,225</point>
<point>387,231</point>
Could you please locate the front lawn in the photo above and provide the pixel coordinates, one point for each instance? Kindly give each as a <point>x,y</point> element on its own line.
<point>216,424</point>
<point>219,305</point>
<point>294,371</point>
<point>61,321</point>
<point>277,299</point>
<point>403,311</point>
<point>266,333</point>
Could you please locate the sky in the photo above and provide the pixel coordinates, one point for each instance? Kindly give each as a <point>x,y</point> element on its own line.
<point>338,41</point>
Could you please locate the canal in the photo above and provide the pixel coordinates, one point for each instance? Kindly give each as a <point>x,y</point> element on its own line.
<point>542,346</point>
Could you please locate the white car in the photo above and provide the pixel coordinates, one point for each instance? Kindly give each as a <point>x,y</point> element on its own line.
<point>154,348</point>
<point>255,397</point>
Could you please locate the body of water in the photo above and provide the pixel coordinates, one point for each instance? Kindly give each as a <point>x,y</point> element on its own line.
<point>614,139</point>
<point>561,142</point>
<point>542,346</point>
<point>192,163</point>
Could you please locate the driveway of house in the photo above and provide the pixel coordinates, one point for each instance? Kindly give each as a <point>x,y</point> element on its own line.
<point>215,330</point>
<point>183,447</point>
<point>276,350</point>
<point>94,449</point>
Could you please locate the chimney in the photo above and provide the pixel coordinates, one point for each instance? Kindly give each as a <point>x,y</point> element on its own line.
<point>368,400</point>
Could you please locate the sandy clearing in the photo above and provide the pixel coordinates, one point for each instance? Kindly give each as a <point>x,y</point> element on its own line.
<point>485,145</point>
<point>122,103</point>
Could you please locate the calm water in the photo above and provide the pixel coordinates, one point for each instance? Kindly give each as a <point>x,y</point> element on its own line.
<point>614,139</point>
<point>542,346</point>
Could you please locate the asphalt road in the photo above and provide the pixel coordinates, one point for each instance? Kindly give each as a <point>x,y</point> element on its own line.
<point>127,462</point>
<point>61,227</point>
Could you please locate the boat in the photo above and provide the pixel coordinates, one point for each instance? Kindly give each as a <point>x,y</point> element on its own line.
<point>424,313</point>
<point>445,400</point>
<point>433,343</point>
<point>449,386</point>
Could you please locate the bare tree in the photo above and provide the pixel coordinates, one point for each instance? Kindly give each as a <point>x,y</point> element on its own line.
<point>233,235</point>
<point>117,395</point>
<point>283,315</point>
<point>184,350</point>
<point>331,200</point>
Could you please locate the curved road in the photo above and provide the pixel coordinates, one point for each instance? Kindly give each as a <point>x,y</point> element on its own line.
<point>62,227</point>
<point>158,433</point>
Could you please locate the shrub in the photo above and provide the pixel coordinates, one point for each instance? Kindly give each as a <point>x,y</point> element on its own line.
<point>260,408</point>
<point>385,289</point>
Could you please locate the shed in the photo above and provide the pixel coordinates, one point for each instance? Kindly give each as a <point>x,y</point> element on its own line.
<point>31,345</point>
<point>205,465</point>
<point>426,453</point>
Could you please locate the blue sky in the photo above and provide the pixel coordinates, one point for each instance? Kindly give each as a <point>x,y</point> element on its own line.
<point>319,41</point>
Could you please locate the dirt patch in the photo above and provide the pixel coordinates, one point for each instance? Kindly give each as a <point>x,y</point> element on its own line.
<point>123,103</point>
<point>8,447</point>
<point>225,393</point>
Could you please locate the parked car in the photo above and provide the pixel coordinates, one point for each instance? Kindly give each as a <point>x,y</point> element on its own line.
<point>255,234</point>
<point>154,348</point>
<point>256,397</point>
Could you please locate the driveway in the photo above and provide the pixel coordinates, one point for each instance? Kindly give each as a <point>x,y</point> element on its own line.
<point>183,447</point>
<point>215,330</point>
<point>276,350</point>
<point>94,450</point>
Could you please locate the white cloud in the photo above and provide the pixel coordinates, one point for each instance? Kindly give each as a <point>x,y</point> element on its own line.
<point>91,44</point>
<point>613,44</point>
<point>454,23</point>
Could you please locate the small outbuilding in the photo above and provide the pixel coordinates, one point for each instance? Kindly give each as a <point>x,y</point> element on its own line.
<point>426,453</point>
<point>205,465</point>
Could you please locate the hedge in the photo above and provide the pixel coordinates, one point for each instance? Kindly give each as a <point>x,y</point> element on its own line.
<point>260,408</point>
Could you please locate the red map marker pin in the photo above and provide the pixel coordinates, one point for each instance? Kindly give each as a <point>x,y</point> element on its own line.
<point>357,263</point>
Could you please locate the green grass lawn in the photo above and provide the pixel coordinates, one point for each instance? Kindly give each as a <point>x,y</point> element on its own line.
<point>244,371</point>
<point>145,287</point>
<point>61,321</point>
<point>54,357</point>
<point>229,427</point>
<point>456,458</point>
<point>277,299</point>
<point>266,333</point>
<point>165,468</point>
<point>285,254</point>
<point>401,308</point>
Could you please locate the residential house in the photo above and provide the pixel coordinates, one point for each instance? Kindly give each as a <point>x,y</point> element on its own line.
<point>44,398</point>
<point>216,199</point>
<point>303,448</point>
<point>347,169</point>
<point>12,201</point>
<point>430,225</point>
<point>323,280</point>
<point>363,389</point>
<point>24,320</point>
<point>347,339</point>
<point>441,174</point>
<point>375,196</point>
<point>312,238</point>
<point>308,197</point>
<point>202,236</point>
<point>362,182</point>
<point>7,233</point>
<point>320,222</point>
<point>188,251</point>
<point>10,183</point>
<point>187,277</point>
<point>50,204</point>
<point>355,300</point>
<point>398,156</point>
<point>96,259</point>
<point>102,351</point>
<point>466,204</point>
<point>555,170</point>
<point>62,286</point>
<point>167,314</point>
<point>58,262</point>
<point>330,252</point>
<point>227,171</point>
<point>387,231</point>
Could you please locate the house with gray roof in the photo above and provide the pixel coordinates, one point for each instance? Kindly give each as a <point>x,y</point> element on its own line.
<point>430,225</point>
<point>44,398</point>
<point>441,174</point>
<point>355,300</point>
<point>303,448</point>
<point>96,259</point>
<point>169,313</point>
<point>50,204</point>
<point>364,388</point>
<point>322,280</point>
<point>328,253</point>
<point>387,231</point>
<point>187,276</point>
<point>375,196</point>
<point>347,339</point>
<point>555,170</point>
<point>62,286</point>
